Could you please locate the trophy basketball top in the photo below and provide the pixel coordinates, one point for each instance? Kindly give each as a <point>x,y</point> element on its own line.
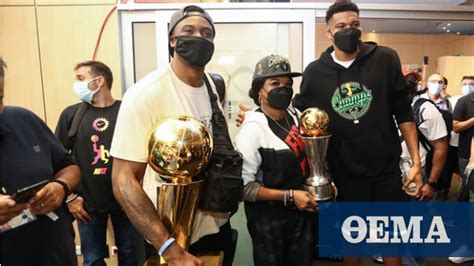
<point>314,122</point>
<point>179,148</point>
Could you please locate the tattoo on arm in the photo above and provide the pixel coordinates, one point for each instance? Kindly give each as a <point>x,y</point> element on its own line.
<point>141,211</point>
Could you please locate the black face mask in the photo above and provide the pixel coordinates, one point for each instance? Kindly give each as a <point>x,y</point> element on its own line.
<point>280,98</point>
<point>347,40</point>
<point>196,51</point>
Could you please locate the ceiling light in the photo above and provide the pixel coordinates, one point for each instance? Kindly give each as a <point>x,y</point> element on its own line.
<point>447,30</point>
<point>449,24</point>
<point>444,28</point>
<point>458,33</point>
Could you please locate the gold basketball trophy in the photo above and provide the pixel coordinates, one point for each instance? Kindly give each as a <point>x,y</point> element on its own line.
<point>313,125</point>
<point>178,149</point>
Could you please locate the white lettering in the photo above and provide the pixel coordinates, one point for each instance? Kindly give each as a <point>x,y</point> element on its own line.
<point>437,229</point>
<point>354,230</point>
<point>400,229</point>
<point>378,226</point>
<point>360,229</point>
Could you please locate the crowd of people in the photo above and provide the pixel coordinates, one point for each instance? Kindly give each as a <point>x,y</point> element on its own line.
<point>96,166</point>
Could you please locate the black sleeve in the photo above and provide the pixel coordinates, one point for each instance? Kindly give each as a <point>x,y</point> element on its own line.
<point>301,101</point>
<point>459,110</point>
<point>62,128</point>
<point>398,90</point>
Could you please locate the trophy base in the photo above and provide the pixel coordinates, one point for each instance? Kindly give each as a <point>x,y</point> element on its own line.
<point>208,258</point>
<point>322,193</point>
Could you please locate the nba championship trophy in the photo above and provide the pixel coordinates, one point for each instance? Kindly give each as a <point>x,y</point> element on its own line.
<point>313,123</point>
<point>178,149</point>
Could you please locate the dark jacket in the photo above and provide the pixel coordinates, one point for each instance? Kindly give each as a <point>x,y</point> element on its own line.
<point>361,102</point>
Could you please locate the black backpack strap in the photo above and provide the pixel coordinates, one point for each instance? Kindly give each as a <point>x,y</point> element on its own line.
<point>220,130</point>
<point>418,120</point>
<point>220,86</point>
<point>76,120</point>
<point>416,110</point>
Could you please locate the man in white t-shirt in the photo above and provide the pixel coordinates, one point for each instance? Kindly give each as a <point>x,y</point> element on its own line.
<point>432,127</point>
<point>177,89</point>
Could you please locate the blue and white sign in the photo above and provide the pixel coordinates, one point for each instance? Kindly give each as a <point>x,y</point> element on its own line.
<point>419,229</point>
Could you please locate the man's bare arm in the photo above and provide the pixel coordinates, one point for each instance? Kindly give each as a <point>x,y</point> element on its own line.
<point>461,126</point>
<point>440,147</point>
<point>126,179</point>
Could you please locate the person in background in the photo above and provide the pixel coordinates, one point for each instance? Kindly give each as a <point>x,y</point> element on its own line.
<point>433,141</point>
<point>279,210</point>
<point>465,252</point>
<point>436,84</point>
<point>94,202</point>
<point>467,87</point>
<point>444,92</point>
<point>463,124</point>
<point>38,232</point>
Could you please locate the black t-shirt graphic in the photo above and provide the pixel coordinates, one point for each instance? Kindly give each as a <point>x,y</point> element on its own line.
<point>91,149</point>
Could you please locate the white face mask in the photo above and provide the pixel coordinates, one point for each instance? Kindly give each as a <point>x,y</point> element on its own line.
<point>434,88</point>
<point>81,89</point>
<point>467,89</point>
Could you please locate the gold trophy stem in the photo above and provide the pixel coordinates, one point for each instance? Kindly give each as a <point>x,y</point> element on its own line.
<point>177,207</point>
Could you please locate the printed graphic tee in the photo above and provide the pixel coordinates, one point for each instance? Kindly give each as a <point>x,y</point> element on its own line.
<point>90,148</point>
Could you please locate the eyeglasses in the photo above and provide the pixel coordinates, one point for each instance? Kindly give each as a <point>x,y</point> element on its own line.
<point>436,81</point>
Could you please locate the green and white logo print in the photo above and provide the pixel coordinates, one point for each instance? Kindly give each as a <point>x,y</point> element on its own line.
<point>351,101</point>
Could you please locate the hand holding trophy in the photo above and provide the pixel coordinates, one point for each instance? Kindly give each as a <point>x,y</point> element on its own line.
<point>178,149</point>
<point>313,125</point>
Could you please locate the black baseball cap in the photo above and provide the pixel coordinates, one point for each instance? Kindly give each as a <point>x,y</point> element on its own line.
<point>273,66</point>
<point>188,11</point>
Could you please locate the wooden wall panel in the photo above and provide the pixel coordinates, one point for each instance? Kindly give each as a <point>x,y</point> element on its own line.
<point>411,47</point>
<point>454,68</point>
<point>17,2</point>
<point>75,2</point>
<point>19,49</point>
<point>67,36</point>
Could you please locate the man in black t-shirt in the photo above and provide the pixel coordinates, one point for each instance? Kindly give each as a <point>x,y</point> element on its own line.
<point>38,232</point>
<point>94,202</point>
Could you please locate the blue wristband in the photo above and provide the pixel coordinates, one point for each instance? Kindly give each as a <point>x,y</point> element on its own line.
<point>166,245</point>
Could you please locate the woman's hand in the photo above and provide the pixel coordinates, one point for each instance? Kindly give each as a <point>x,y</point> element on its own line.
<point>304,201</point>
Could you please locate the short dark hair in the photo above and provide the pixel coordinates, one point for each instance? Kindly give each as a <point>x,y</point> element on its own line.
<point>98,69</point>
<point>257,85</point>
<point>413,77</point>
<point>3,65</point>
<point>467,77</point>
<point>445,81</point>
<point>340,6</point>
